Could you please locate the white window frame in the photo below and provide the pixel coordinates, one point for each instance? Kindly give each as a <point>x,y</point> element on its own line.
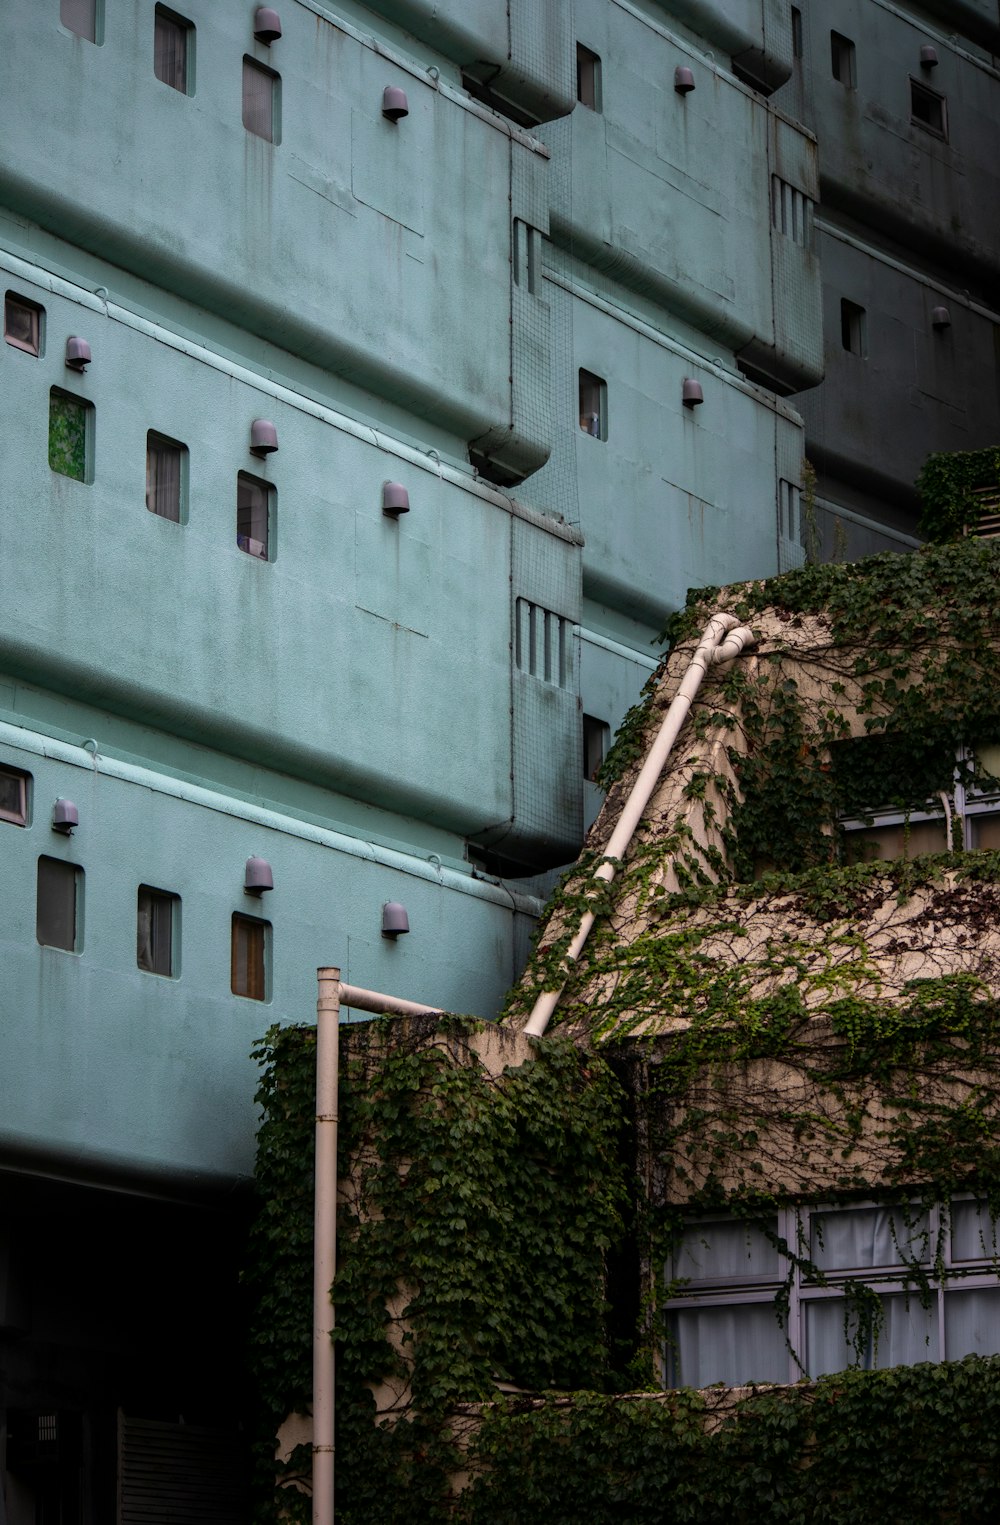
<point>793,1226</point>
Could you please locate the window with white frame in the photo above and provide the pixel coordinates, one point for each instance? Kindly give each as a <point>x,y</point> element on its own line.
<point>967,817</point>
<point>863,1286</point>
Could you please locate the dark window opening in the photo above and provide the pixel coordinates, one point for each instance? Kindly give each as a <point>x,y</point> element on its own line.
<point>843,60</point>
<point>165,472</point>
<point>248,971</point>
<point>69,428</point>
<point>596,735</point>
<point>796,33</point>
<point>155,930</point>
<point>57,908</point>
<point>171,48</point>
<point>853,328</point>
<point>928,109</point>
<point>22,323</point>
<point>588,78</point>
<point>254,500</point>
<point>260,100</point>
<point>81,17</point>
<point>593,405</point>
<point>14,796</point>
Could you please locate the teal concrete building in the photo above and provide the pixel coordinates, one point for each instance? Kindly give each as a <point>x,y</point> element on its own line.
<point>376,380</point>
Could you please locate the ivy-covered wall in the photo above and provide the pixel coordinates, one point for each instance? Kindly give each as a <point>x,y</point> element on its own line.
<point>754,1022</point>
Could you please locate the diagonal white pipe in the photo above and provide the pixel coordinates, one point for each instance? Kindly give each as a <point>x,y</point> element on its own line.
<point>723,639</point>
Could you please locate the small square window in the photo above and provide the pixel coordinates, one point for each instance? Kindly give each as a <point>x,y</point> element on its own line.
<point>22,323</point>
<point>853,328</point>
<point>261,101</point>
<point>59,904</point>
<point>166,470</point>
<point>593,405</point>
<point>843,60</point>
<point>82,17</point>
<point>928,109</point>
<point>254,516</point>
<point>596,736</point>
<point>172,49</point>
<point>250,956</point>
<point>70,423</point>
<point>14,796</point>
<point>156,930</point>
<point>588,78</point>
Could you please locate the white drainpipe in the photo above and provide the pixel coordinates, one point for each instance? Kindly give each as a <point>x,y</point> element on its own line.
<point>724,639</point>
<point>332,995</point>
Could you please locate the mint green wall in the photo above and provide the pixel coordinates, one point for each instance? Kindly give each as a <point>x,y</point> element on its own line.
<point>308,241</point>
<point>641,191</point>
<point>386,708</point>
<point>111,1066</point>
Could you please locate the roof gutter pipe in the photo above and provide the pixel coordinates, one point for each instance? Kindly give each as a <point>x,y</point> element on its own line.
<point>724,638</point>
<point>332,995</point>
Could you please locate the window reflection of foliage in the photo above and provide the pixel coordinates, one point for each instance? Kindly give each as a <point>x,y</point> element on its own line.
<point>68,436</point>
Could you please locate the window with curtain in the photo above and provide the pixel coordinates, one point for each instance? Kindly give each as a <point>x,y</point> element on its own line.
<point>260,100</point>
<point>254,512</point>
<point>165,473</point>
<point>927,1277</point>
<point>81,17</point>
<point>251,941</point>
<point>58,904</point>
<point>156,927</point>
<point>172,45</point>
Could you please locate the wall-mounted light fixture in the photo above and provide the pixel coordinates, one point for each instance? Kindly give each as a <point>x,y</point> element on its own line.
<point>266,24</point>
<point>928,56</point>
<point>263,437</point>
<point>394,103</point>
<point>395,499</point>
<point>683,79</point>
<point>940,317</point>
<point>258,876</point>
<point>691,393</point>
<point>78,355</point>
<point>65,816</point>
<point>394,919</point>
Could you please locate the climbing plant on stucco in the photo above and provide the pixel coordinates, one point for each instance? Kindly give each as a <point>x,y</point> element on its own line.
<point>471,1251</point>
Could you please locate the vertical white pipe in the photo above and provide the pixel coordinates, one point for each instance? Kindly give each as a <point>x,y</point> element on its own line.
<point>325,1242</point>
<point>711,648</point>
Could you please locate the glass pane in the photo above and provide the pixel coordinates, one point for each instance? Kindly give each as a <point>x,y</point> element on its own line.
<point>592,405</point>
<point>79,16</point>
<point>247,975</point>
<point>909,1333</point>
<point>154,931</point>
<point>55,914</point>
<point>13,796</point>
<point>252,503</point>
<point>258,100</point>
<point>863,1237</point>
<point>737,1344</point>
<point>973,1233</point>
<point>163,478</point>
<point>170,51</point>
<point>972,1322</point>
<point>726,1251</point>
<point>67,435</point>
<point>21,325</point>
